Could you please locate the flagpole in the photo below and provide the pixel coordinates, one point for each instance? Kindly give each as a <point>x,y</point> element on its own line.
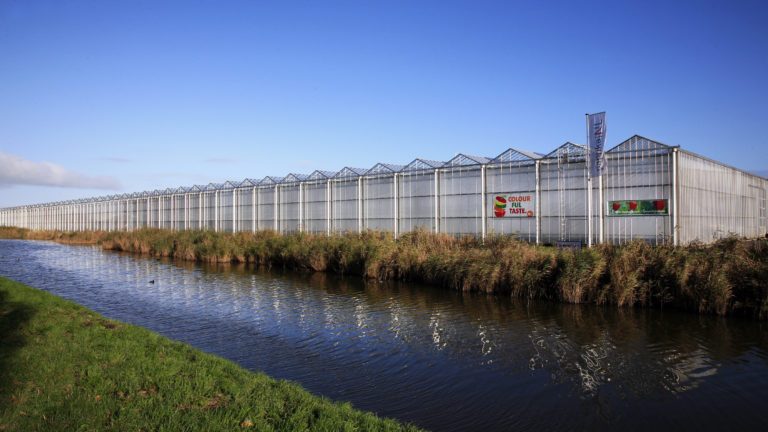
<point>589,186</point>
<point>601,204</point>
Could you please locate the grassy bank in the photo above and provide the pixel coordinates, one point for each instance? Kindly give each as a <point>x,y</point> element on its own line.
<point>727,277</point>
<point>64,367</point>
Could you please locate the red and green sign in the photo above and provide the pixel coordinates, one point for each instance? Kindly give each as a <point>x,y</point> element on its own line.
<point>656,207</point>
<point>514,205</point>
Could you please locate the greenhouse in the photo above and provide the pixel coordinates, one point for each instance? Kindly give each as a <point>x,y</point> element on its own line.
<point>648,190</point>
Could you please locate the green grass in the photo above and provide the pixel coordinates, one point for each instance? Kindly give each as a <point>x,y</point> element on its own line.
<point>724,278</point>
<point>66,368</point>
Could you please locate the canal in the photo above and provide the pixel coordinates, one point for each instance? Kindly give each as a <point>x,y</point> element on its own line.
<point>442,360</point>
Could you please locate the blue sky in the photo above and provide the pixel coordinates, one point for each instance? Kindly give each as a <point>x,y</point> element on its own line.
<point>100,97</point>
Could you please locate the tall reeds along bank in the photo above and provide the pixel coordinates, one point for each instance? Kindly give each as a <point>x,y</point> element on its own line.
<point>727,277</point>
<point>67,237</point>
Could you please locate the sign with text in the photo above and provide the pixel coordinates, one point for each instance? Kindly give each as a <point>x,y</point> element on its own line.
<point>514,205</point>
<point>596,138</point>
<point>656,207</point>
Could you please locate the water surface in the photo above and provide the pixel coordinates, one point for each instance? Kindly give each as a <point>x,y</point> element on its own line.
<point>442,360</point>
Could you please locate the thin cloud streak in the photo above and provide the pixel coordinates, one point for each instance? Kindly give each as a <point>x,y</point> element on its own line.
<point>15,170</point>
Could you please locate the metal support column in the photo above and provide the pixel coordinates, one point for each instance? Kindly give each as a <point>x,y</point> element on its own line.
<point>537,206</point>
<point>396,193</point>
<point>437,201</point>
<point>234,210</point>
<point>359,205</point>
<point>675,206</point>
<point>301,207</point>
<point>275,213</point>
<point>216,211</point>
<point>253,209</point>
<point>328,207</point>
<point>483,198</point>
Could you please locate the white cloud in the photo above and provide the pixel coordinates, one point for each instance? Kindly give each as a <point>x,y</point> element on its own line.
<point>17,171</point>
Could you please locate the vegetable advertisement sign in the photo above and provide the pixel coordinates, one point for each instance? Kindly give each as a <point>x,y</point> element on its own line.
<point>656,207</point>
<point>514,205</point>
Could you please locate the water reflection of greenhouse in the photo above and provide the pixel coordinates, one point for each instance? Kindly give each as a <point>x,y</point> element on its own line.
<point>649,190</point>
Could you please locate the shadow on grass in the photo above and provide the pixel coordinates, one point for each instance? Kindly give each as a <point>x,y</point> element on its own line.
<point>13,316</point>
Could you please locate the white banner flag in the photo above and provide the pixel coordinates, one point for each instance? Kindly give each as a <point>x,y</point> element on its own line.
<point>596,137</point>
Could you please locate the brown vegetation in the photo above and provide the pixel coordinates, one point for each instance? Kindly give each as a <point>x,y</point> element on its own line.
<point>729,276</point>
